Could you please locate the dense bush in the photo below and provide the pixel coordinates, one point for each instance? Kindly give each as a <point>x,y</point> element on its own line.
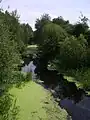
<point>9,56</point>
<point>12,44</point>
<point>72,53</point>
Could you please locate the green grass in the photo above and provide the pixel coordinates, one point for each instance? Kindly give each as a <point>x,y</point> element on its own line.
<point>36,103</point>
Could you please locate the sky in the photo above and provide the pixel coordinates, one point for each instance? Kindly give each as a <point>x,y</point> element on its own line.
<point>30,10</point>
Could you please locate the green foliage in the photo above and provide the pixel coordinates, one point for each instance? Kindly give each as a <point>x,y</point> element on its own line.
<point>65,45</point>
<point>82,76</point>
<point>88,57</point>
<point>13,37</point>
<point>72,53</point>
<point>79,29</point>
<point>87,36</point>
<point>8,108</point>
<point>83,19</point>
<point>27,34</point>
<point>60,21</point>
<point>52,35</point>
<point>17,77</point>
<point>12,23</point>
<point>10,47</point>
<point>64,24</point>
<point>28,77</point>
<point>45,19</point>
<point>21,33</point>
<point>53,31</point>
<point>9,55</point>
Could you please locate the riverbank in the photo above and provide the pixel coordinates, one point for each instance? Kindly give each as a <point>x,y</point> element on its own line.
<point>36,103</point>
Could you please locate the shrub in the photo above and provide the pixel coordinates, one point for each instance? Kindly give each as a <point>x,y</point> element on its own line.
<point>82,76</point>
<point>72,53</point>
<point>9,56</point>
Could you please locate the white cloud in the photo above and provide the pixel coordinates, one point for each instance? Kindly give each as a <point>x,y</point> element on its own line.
<point>29,10</point>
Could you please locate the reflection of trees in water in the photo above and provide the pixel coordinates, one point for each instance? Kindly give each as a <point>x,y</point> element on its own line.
<point>8,108</point>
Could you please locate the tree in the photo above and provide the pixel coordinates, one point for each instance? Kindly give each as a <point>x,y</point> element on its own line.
<point>87,36</point>
<point>83,19</point>
<point>81,27</point>
<point>72,53</point>
<point>11,45</point>
<point>60,21</point>
<point>52,34</point>
<point>12,22</point>
<point>22,34</point>
<point>64,24</point>
<point>9,56</point>
<point>27,33</point>
<point>45,18</point>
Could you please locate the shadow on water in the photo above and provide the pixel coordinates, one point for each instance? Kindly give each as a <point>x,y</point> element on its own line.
<point>8,108</point>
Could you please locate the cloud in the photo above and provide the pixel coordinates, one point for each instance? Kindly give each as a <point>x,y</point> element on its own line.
<point>29,10</point>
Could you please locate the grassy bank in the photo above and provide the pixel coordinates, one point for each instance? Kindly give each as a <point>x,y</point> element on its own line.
<point>36,103</point>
